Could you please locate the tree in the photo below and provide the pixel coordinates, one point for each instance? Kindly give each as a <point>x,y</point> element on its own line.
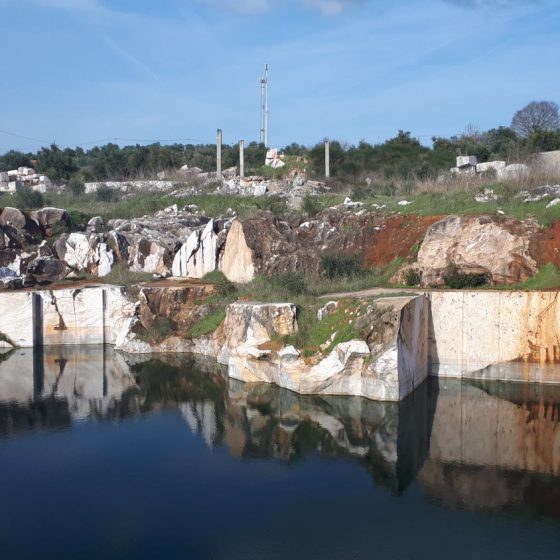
<point>538,115</point>
<point>13,160</point>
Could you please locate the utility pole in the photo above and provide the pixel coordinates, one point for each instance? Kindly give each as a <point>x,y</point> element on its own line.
<point>219,155</point>
<point>327,159</point>
<point>264,107</point>
<point>241,158</point>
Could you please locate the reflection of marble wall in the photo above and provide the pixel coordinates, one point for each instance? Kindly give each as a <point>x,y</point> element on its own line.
<point>473,427</point>
<point>88,378</point>
<point>390,439</point>
<point>494,447</point>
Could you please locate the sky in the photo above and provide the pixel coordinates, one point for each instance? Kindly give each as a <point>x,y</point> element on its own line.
<point>86,72</point>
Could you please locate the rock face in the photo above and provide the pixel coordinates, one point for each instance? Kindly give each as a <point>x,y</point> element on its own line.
<point>198,255</point>
<point>475,245</point>
<point>86,252</point>
<point>150,244</point>
<point>489,335</point>
<point>65,317</point>
<point>388,372</point>
<point>267,245</point>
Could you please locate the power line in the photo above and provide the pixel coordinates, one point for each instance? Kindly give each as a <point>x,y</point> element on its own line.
<point>22,136</point>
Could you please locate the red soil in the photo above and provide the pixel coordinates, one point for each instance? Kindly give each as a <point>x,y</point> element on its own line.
<point>545,246</point>
<point>396,238</point>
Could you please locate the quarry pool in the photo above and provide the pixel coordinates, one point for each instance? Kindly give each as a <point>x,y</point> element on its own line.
<point>110,457</point>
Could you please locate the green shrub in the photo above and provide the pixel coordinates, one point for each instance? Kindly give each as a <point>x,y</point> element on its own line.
<point>208,324</point>
<point>161,328</point>
<point>412,277</point>
<point>336,266</point>
<point>107,194</point>
<point>311,205</point>
<point>290,283</point>
<point>76,186</point>
<point>224,288</point>
<point>27,199</point>
<point>460,280</point>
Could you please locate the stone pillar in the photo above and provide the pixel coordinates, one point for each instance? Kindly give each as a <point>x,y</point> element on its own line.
<point>241,158</point>
<point>327,159</point>
<point>219,155</point>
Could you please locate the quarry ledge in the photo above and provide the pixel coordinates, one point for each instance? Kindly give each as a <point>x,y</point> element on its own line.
<point>490,335</point>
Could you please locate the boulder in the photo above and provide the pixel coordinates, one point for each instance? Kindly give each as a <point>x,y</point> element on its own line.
<point>45,250</point>
<point>490,166</point>
<point>95,225</point>
<point>466,161</point>
<point>150,256</point>
<point>487,195</point>
<point>513,171</point>
<point>12,217</point>
<point>496,248</point>
<point>237,258</point>
<point>48,217</point>
<point>47,269</point>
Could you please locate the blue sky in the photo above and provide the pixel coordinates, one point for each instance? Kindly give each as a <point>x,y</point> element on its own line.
<point>82,72</point>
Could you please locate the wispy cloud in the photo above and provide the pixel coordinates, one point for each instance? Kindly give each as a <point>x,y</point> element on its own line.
<point>325,7</point>
<point>492,3</point>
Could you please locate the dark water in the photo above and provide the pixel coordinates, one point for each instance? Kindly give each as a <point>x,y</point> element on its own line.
<point>166,459</point>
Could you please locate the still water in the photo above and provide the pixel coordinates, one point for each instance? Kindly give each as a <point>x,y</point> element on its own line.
<point>109,458</point>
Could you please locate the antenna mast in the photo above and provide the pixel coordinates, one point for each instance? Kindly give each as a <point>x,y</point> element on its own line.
<point>264,107</point>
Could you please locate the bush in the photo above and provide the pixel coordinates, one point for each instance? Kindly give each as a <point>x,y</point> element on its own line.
<point>76,186</point>
<point>412,277</point>
<point>311,205</point>
<point>26,199</point>
<point>224,288</point>
<point>336,266</point>
<point>161,328</point>
<point>107,194</point>
<point>291,283</point>
<point>460,280</point>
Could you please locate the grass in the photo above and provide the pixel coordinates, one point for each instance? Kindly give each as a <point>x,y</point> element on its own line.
<point>141,204</point>
<point>312,333</point>
<point>548,277</point>
<point>121,275</point>
<point>162,328</point>
<point>208,324</point>
<point>463,203</point>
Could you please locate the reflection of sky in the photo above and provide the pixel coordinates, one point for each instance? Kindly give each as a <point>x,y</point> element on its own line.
<point>178,69</point>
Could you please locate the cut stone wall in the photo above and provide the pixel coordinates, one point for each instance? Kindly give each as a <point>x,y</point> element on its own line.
<point>512,336</point>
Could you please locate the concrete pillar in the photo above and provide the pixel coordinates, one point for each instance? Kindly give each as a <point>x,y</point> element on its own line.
<point>327,159</point>
<point>241,158</point>
<point>219,155</point>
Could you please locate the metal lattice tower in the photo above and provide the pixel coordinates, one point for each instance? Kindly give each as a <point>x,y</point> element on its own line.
<point>264,107</point>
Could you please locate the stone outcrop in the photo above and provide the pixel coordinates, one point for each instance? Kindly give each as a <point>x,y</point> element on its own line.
<point>245,343</point>
<point>85,252</point>
<point>236,261</point>
<point>498,249</point>
<point>198,255</point>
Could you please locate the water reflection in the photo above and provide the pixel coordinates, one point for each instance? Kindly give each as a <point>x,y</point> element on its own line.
<point>479,446</point>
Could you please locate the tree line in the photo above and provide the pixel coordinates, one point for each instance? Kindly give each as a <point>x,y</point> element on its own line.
<point>534,128</point>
